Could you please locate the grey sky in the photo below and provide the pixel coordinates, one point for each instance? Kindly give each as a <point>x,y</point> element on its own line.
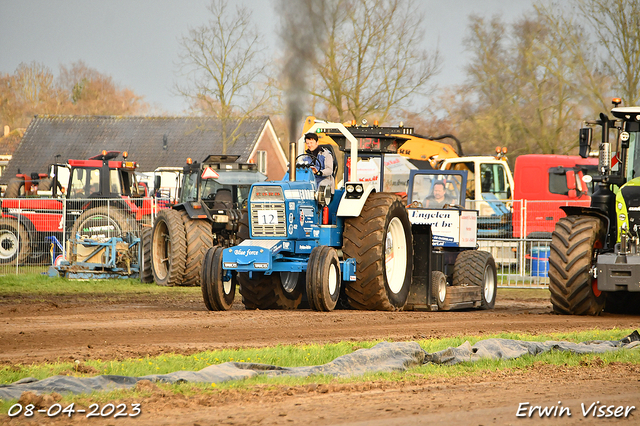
<point>136,41</point>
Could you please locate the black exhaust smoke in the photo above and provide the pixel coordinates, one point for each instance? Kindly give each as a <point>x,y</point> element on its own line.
<point>301,34</point>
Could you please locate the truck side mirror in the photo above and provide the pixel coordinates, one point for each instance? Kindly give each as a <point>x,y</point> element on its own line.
<point>156,183</point>
<point>585,141</point>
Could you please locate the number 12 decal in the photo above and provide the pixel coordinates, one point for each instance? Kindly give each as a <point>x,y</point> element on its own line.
<point>268,217</point>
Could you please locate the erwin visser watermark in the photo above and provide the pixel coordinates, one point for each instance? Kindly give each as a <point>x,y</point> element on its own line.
<point>595,409</point>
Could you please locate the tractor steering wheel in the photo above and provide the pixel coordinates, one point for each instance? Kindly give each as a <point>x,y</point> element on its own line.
<point>306,165</point>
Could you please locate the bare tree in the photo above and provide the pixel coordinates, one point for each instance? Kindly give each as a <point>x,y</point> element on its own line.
<point>32,89</point>
<point>604,38</point>
<point>223,68</point>
<point>371,61</point>
<point>91,92</point>
<point>520,88</point>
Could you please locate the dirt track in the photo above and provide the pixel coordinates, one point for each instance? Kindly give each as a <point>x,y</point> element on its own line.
<point>116,327</point>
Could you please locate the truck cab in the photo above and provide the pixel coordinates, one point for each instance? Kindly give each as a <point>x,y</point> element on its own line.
<point>489,179</point>
<point>545,183</point>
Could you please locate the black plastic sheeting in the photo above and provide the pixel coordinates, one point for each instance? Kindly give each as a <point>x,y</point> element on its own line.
<point>508,349</point>
<point>383,357</point>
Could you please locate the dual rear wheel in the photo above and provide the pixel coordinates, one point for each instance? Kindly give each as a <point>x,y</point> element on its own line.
<point>178,248</point>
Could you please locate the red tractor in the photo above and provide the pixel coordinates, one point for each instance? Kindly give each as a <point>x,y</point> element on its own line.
<point>102,197</point>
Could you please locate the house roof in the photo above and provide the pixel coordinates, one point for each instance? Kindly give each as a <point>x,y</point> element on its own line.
<point>81,137</point>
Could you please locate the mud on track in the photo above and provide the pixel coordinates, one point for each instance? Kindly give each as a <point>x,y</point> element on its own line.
<point>121,326</point>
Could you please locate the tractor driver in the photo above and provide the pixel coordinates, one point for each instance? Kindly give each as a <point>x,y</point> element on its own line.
<point>438,197</point>
<point>321,161</point>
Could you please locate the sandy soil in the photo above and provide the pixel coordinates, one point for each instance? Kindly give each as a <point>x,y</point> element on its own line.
<point>116,327</point>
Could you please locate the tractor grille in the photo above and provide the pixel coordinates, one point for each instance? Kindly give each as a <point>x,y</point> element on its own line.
<point>259,229</point>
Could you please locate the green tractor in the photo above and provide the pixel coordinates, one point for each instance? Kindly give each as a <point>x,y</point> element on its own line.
<point>212,201</point>
<point>594,263</point>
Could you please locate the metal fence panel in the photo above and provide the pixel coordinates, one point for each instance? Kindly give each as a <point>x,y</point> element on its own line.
<point>34,231</point>
<point>521,263</point>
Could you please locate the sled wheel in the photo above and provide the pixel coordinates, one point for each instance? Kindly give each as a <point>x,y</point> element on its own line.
<point>439,288</point>
<point>476,267</point>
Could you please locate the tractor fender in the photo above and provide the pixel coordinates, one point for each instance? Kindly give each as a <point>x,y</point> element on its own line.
<point>352,207</point>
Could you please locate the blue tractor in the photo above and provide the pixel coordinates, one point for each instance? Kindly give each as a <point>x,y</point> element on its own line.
<point>306,241</point>
<point>356,245</point>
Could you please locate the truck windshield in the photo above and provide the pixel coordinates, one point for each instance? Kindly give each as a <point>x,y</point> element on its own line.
<point>494,182</point>
<point>434,191</point>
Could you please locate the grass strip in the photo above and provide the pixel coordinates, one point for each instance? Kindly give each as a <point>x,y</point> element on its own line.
<point>37,284</point>
<point>305,355</point>
<point>33,284</point>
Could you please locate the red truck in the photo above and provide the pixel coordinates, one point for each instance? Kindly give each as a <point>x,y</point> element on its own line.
<point>543,183</point>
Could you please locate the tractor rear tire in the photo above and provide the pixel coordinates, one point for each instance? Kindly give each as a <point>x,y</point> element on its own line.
<point>439,288</point>
<point>323,279</point>
<point>477,267</point>
<point>15,188</point>
<point>380,240</point>
<point>15,242</point>
<point>45,184</point>
<point>168,248</point>
<point>218,295</point>
<point>267,292</point>
<point>199,240</point>
<point>146,274</point>
<point>93,221</point>
<point>573,291</point>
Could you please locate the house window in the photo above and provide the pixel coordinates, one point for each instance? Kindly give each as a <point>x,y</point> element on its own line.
<point>262,162</point>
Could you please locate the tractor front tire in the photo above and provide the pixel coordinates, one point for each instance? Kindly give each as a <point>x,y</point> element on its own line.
<point>15,242</point>
<point>477,267</point>
<point>573,242</point>
<point>199,240</point>
<point>323,279</point>
<point>380,241</point>
<point>218,295</point>
<point>168,248</point>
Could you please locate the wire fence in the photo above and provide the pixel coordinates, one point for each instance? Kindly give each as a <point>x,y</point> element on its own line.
<point>520,263</point>
<point>35,232</point>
